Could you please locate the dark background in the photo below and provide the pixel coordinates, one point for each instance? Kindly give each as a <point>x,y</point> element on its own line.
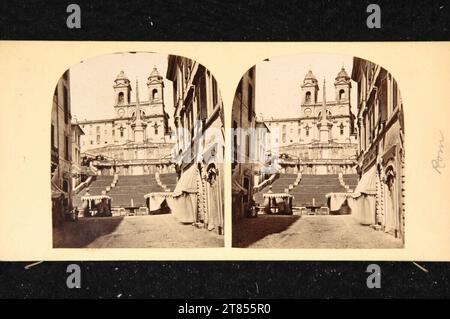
<point>224,280</point>
<point>216,20</point>
<point>219,20</point>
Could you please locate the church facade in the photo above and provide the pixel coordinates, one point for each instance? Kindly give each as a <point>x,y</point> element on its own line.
<point>322,139</point>
<point>138,139</point>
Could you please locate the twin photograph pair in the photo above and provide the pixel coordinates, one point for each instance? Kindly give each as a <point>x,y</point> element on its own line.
<point>310,152</point>
<point>138,146</point>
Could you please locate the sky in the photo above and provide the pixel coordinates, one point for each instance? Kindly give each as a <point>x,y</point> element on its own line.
<point>277,92</point>
<point>92,80</point>
<point>278,81</point>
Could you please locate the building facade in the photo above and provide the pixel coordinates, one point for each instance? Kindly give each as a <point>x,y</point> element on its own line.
<point>77,132</point>
<point>322,139</point>
<point>381,150</point>
<point>244,125</point>
<point>199,141</point>
<point>61,150</point>
<point>138,139</point>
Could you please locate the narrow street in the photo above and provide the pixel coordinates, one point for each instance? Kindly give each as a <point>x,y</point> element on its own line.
<point>149,231</point>
<point>321,231</point>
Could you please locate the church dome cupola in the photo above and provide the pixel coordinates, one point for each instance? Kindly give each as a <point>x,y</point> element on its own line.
<point>310,76</point>
<point>122,79</point>
<point>121,76</point>
<point>155,75</point>
<point>342,75</point>
<point>310,79</point>
<point>155,86</point>
<point>342,87</point>
<point>122,89</point>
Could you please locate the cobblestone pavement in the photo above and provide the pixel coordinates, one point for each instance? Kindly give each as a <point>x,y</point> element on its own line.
<point>321,231</point>
<point>158,231</point>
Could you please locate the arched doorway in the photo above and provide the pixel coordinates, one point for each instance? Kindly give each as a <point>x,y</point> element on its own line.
<point>391,216</point>
<point>66,189</point>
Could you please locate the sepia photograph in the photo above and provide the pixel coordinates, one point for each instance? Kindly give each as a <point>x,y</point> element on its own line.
<point>137,144</point>
<point>318,155</point>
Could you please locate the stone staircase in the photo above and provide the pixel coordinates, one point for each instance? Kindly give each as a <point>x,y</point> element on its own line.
<point>282,184</point>
<point>311,190</point>
<point>96,187</point>
<point>167,181</point>
<point>129,190</point>
<point>351,180</point>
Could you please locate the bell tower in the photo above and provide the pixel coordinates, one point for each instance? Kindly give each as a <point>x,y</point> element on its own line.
<point>342,87</point>
<point>155,86</point>
<point>122,90</point>
<point>310,89</point>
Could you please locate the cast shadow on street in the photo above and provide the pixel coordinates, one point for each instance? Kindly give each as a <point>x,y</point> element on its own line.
<point>81,233</point>
<point>251,230</point>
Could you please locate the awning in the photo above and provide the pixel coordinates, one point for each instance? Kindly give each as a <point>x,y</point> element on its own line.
<point>95,197</point>
<point>329,195</point>
<point>156,199</point>
<point>187,182</point>
<point>337,200</point>
<point>158,194</point>
<point>277,195</point>
<point>272,168</point>
<point>392,137</point>
<point>368,183</point>
<point>57,192</point>
<point>236,188</point>
<point>87,171</point>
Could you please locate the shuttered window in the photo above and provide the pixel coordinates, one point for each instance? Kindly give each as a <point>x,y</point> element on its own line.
<point>382,100</point>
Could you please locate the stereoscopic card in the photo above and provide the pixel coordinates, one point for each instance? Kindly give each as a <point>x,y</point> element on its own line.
<point>225,151</point>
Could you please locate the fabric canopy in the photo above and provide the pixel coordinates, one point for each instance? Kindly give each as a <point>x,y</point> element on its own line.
<point>183,202</point>
<point>271,169</point>
<point>362,201</point>
<point>95,197</point>
<point>158,194</point>
<point>57,192</point>
<point>276,195</point>
<point>337,200</point>
<point>183,208</point>
<point>237,188</point>
<point>156,199</point>
<point>363,208</point>
<point>87,171</point>
<point>368,183</point>
<point>392,136</point>
<point>187,182</point>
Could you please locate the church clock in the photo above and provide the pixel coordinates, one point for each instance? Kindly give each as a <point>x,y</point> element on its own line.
<point>121,112</point>
<point>307,111</point>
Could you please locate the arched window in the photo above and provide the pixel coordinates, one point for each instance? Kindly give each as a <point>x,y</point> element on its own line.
<point>133,115</point>
<point>308,97</point>
<point>65,186</point>
<point>246,185</point>
<point>341,95</point>
<point>319,115</point>
<point>155,94</point>
<point>120,98</point>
